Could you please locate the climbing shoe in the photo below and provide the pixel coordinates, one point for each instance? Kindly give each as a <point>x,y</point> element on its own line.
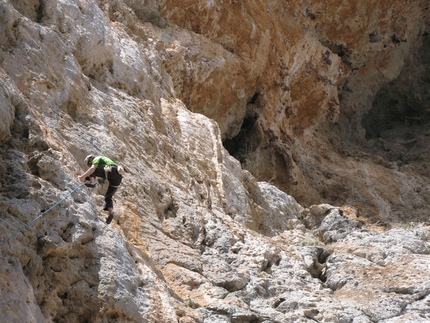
<point>109,219</point>
<point>90,185</point>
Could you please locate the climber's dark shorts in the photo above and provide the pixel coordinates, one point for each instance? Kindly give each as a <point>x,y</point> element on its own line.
<point>114,179</point>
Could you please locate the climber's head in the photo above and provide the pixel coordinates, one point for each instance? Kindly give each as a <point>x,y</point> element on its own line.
<point>89,159</point>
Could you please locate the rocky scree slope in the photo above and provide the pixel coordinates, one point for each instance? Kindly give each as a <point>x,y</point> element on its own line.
<point>196,238</point>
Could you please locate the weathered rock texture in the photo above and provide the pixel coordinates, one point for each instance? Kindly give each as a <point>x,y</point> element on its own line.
<point>324,106</point>
<point>310,81</point>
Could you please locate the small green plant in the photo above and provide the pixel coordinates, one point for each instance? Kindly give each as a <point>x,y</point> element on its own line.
<point>190,303</point>
<point>154,16</point>
<point>408,226</point>
<point>161,22</point>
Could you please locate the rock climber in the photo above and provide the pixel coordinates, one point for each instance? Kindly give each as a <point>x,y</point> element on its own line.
<point>101,166</point>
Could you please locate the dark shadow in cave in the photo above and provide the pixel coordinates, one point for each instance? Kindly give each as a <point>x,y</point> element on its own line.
<point>403,104</point>
<point>392,110</point>
<point>243,143</point>
<point>240,146</point>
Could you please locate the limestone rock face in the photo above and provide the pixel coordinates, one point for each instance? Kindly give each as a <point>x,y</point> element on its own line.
<point>325,83</point>
<point>278,227</point>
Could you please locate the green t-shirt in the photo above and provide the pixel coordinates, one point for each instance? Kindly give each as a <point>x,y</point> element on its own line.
<point>102,161</point>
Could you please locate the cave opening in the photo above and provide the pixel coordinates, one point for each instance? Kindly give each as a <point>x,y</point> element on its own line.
<point>393,111</point>
<point>241,145</point>
<point>244,142</point>
<point>401,108</point>
<point>397,126</point>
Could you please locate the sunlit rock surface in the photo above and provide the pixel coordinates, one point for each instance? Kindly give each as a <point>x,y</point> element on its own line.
<point>269,176</point>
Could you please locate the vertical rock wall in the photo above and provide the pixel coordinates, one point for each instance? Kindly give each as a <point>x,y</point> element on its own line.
<point>196,238</point>
<point>313,71</point>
